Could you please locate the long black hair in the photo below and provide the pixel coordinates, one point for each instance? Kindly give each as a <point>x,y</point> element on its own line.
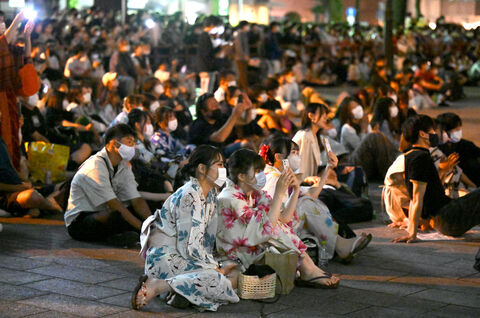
<point>276,143</point>
<point>312,108</point>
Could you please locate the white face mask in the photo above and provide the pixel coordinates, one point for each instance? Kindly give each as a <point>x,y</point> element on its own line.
<point>357,112</point>
<point>87,98</point>
<point>456,136</point>
<point>261,180</point>
<point>263,98</point>
<point>172,125</point>
<point>394,98</point>
<point>332,133</point>
<point>393,111</point>
<point>33,100</point>
<point>232,83</point>
<point>65,104</point>
<point>154,106</point>
<point>158,89</point>
<point>126,152</point>
<point>294,162</point>
<point>222,177</point>
<point>148,131</point>
<point>217,42</point>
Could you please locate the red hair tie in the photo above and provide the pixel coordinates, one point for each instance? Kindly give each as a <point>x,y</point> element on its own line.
<point>264,153</point>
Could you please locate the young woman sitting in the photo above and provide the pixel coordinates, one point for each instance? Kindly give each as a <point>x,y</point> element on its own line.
<point>178,240</point>
<point>252,223</point>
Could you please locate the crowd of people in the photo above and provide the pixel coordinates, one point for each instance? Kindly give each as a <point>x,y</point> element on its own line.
<point>220,132</point>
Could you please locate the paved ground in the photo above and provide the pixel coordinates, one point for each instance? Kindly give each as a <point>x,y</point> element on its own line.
<point>44,273</point>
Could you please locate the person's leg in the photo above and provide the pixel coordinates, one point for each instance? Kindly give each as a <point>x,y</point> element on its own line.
<point>149,289</point>
<point>32,199</point>
<point>309,271</point>
<point>460,215</point>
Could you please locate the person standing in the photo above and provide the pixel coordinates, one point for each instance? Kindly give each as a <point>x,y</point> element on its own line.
<point>17,78</point>
<point>242,53</point>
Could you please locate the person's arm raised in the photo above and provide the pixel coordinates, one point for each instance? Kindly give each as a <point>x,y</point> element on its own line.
<point>280,191</point>
<point>223,133</point>
<point>12,30</point>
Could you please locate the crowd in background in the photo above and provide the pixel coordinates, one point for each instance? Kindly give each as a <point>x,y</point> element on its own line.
<point>155,90</point>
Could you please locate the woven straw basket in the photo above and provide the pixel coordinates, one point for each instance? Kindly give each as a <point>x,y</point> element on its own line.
<point>252,287</point>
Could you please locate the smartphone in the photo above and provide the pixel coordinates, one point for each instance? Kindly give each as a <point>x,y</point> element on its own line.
<point>326,142</point>
<point>286,164</point>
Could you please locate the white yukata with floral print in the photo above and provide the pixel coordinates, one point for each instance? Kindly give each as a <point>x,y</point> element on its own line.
<point>245,231</point>
<point>178,242</point>
<point>312,218</point>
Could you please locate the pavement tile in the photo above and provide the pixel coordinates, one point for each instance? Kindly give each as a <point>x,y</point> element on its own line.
<point>125,269</point>
<point>53,314</point>
<point>312,311</point>
<point>243,306</point>
<point>365,297</point>
<point>121,300</point>
<point>387,287</point>
<point>145,314</point>
<point>20,263</point>
<point>10,309</point>
<point>224,315</point>
<point>19,277</point>
<point>449,297</point>
<point>71,305</point>
<point>374,311</point>
<point>75,289</point>
<point>78,274</point>
<point>12,292</point>
<point>455,311</point>
<point>125,283</point>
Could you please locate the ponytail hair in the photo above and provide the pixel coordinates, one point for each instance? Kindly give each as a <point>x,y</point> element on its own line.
<point>275,144</point>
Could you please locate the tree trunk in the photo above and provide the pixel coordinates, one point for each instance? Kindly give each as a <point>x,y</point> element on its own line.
<point>357,13</point>
<point>417,8</point>
<point>399,12</point>
<point>388,36</point>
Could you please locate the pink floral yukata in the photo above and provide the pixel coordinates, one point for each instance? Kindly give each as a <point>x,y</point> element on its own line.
<point>244,230</point>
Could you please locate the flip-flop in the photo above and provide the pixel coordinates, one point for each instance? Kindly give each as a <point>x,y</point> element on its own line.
<point>363,243</point>
<point>141,281</point>
<point>310,283</point>
<point>363,240</point>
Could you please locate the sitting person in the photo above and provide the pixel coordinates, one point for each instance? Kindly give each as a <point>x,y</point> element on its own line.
<point>211,128</point>
<point>101,188</point>
<point>178,240</point>
<point>153,185</point>
<point>252,223</point>
<point>162,141</point>
<point>469,154</point>
<point>18,197</point>
<point>428,200</point>
<point>312,217</point>
<point>130,102</point>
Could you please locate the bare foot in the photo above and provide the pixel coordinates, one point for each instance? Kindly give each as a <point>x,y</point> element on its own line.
<point>149,289</point>
<point>328,279</point>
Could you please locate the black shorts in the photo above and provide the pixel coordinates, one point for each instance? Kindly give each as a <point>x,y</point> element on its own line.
<point>85,227</point>
<point>8,202</point>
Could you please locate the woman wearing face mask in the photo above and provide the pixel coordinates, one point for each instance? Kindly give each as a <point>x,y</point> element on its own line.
<point>152,185</point>
<point>163,142</point>
<point>312,217</point>
<point>314,120</point>
<point>377,150</point>
<point>252,222</point>
<point>353,122</point>
<point>178,241</point>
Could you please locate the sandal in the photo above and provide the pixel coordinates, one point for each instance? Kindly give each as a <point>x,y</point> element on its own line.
<point>140,285</point>
<point>362,242</point>
<point>310,283</point>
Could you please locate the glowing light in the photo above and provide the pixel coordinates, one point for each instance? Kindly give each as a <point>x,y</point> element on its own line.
<point>351,19</point>
<point>30,13</point>
<point>432,25</point>
<point>149,23</point>
<point>471,25</point>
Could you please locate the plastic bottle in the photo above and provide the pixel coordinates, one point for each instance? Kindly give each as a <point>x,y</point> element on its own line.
<point>323,259</point>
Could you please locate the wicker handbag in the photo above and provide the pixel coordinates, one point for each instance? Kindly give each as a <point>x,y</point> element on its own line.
<point>258,282</point>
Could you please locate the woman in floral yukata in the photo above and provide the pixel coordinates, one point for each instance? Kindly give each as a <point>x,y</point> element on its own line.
<point>312,218</point>
<point>251,222</point>
<point>178,241</point>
